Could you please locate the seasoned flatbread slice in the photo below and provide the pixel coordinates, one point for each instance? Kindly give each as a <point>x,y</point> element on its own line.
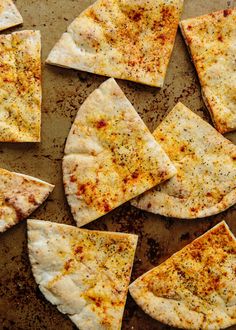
<point>205,183</point>
<point>9,15</point>
<point>84,273</point>
<point>211,40</point>
<point>20,195</point>
<point>125,39</point>
<point>195,288</point>
<point>110,155</point>
<point>20,87</point>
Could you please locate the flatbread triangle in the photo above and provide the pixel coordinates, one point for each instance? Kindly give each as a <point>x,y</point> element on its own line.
<point>211,40</point>
<point>195,288</point>
<point>84,273</point>
<point>20,195</point>
<point>123,39</point>
<point>9,15</point>
<point>206,169</point>
<point>20,86</point>
<point>110,155</point>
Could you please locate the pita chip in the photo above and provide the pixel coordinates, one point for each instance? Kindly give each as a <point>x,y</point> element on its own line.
<point>20,87</point>
<point>84,273</point>
<point>195,288</point>
<point>212,43</point>
<point>205,183</point>
<point>20,195</point>
<point>9,15</point>
<point>110,155</point>
<point>123,39</point>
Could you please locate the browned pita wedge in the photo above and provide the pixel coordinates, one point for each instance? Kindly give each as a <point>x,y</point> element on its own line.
<point>110,155</point>
<point>195,288</point>
<point>20,87</point>
<point>125,39</point>
<point>211,39</point>
<point>205,183</point>
<point>20,195</point>
<point>84,273</point>
<point>9,15</point>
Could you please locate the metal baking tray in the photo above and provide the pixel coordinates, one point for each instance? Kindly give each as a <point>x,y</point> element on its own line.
<point>22,306</point>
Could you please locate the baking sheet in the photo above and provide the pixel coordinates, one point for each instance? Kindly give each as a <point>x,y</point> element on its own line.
<point>22,306</point>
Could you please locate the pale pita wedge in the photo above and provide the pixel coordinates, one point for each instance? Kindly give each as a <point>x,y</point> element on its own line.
<point>9,15</point>
<point>20,195</point>
<point>205,183</point>
<point>110,155</point>
<point>84,273</point>
<point>20,87</point>
<point>125,39</point>
<point>212,43</point>
<point>195,288</point>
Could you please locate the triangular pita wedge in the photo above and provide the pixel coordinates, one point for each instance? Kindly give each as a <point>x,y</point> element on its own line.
<point>205,183</point>
<point>195,288</point>
<point>20,87</point>
<point>9,15</point>
<point>84,273</point>
<point>212,43</point>
<point>20,195</point>
<point>110,155</point>
<point>125,39</point>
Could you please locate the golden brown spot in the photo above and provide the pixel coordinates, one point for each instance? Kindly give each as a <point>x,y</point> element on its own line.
<point>215,283</point>
<point>97,300</point>
<point>78,249</point>
<point>149,205</point>
<point>157,25</point>
<point>162,38</point>
<point>32,200</point>
<point>73,178</point>
<point>163,174</point>
<point>135,175</point>
<point>136,15</point>
<point>227,12</point>
<point>189,39</point>
<point>68,264</point>
<point>19,214</point>
<point>189,27</point>
<point>152,177</point>
<point>183,148</point>
<point>81,189</point>
<point>106,207</point>
<point>119,303</point>
<point>196,254</point>
<point>166,13</point>
<point>209,194</point>
<point>131,63</point>
<point>93,15</point>
<point>198,245</point>
<point>101,123</point>
<point>106,322</point>
<point>7,80</point>
<point>220,38</point>
<point>121,248</point>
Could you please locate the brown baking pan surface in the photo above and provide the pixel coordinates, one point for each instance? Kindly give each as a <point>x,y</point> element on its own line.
<point>22,306</point>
